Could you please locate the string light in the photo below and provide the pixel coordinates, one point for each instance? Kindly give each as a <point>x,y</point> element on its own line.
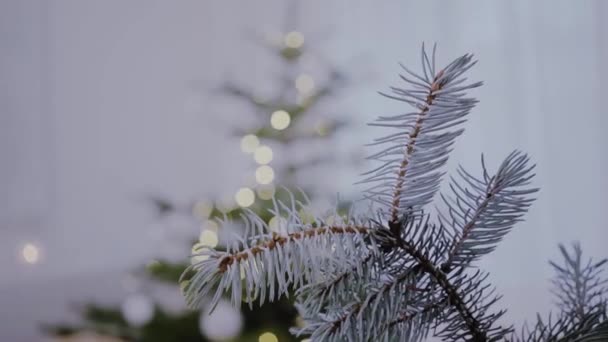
<point>202,209</point>
<point>268,337</point>
<point>294,40</point>
<point>30,253</point>
<point>264,174</point>
<point>244,197</point>
<point>209,238</point>
<point>305,84</point>
<point>249,143</point>
<point>263,155</point>
<point>280,119</point>
<point>266,192</point>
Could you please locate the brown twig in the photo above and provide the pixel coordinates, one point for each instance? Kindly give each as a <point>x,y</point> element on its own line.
<point>409,148</point>
<point>278,239</point>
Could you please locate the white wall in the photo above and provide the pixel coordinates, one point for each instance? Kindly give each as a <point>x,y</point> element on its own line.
<point>97,107</point>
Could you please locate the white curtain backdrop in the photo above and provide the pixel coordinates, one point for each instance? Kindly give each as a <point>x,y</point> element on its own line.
<point>97,106</point>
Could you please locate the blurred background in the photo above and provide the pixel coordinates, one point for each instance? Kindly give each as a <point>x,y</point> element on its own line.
<point>127,126</point>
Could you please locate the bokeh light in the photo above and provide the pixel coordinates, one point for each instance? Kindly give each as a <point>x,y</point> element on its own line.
<point>249,143</point>
<point>294,40</point>
<point>305,84</point>
<point>209,238</point>
<point>280,120</point>
<point>268,337</point>
<point>278,225</point>
<point>262,155</point>
<point>264,174</point>
<point>30,253</point>
<point>244,197</point>
<point>266,192</point>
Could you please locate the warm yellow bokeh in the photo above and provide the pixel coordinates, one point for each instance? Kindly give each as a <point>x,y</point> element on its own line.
<point>268,337</point>
<point>209,238</point>
<point>278,225</point>
<point>294,40</point>
<point>264,174</point>
<point>262,155</point>
<point>266,192</point>
<point>249,143</point>
<point>280,120</point>
<point>244,197</point>
<point>30,253</point>
<point>305,84</point>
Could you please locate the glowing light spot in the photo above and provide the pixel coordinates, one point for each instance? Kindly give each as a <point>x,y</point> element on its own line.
<point>264,174</point>
<point>202,209</point>
<point>268,337</point>
<point>294,40</point>
<point>263,155</point>
<point>306,340</point>
<point>278,225</point>
<point>305,84</point>
<point>266,192</point>
<point>30,253</point>
<point>209,238</point>
<point>249,143</point>
<point>280,119</point>
<point>244,197</point>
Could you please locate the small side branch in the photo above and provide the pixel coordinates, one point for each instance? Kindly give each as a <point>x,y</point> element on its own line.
<point>280,240</point>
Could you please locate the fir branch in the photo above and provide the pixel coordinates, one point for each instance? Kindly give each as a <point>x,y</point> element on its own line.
<point>579,285</point>
<point>398,275</point>
<point>484,210</point>
<point>409,174</point>
<point>279,240</point>
<point>272,261</point>
<point>453,296</point>
<point>580,288</point>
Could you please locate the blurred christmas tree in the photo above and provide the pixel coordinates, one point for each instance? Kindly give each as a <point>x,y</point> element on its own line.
<point>288,117</point>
